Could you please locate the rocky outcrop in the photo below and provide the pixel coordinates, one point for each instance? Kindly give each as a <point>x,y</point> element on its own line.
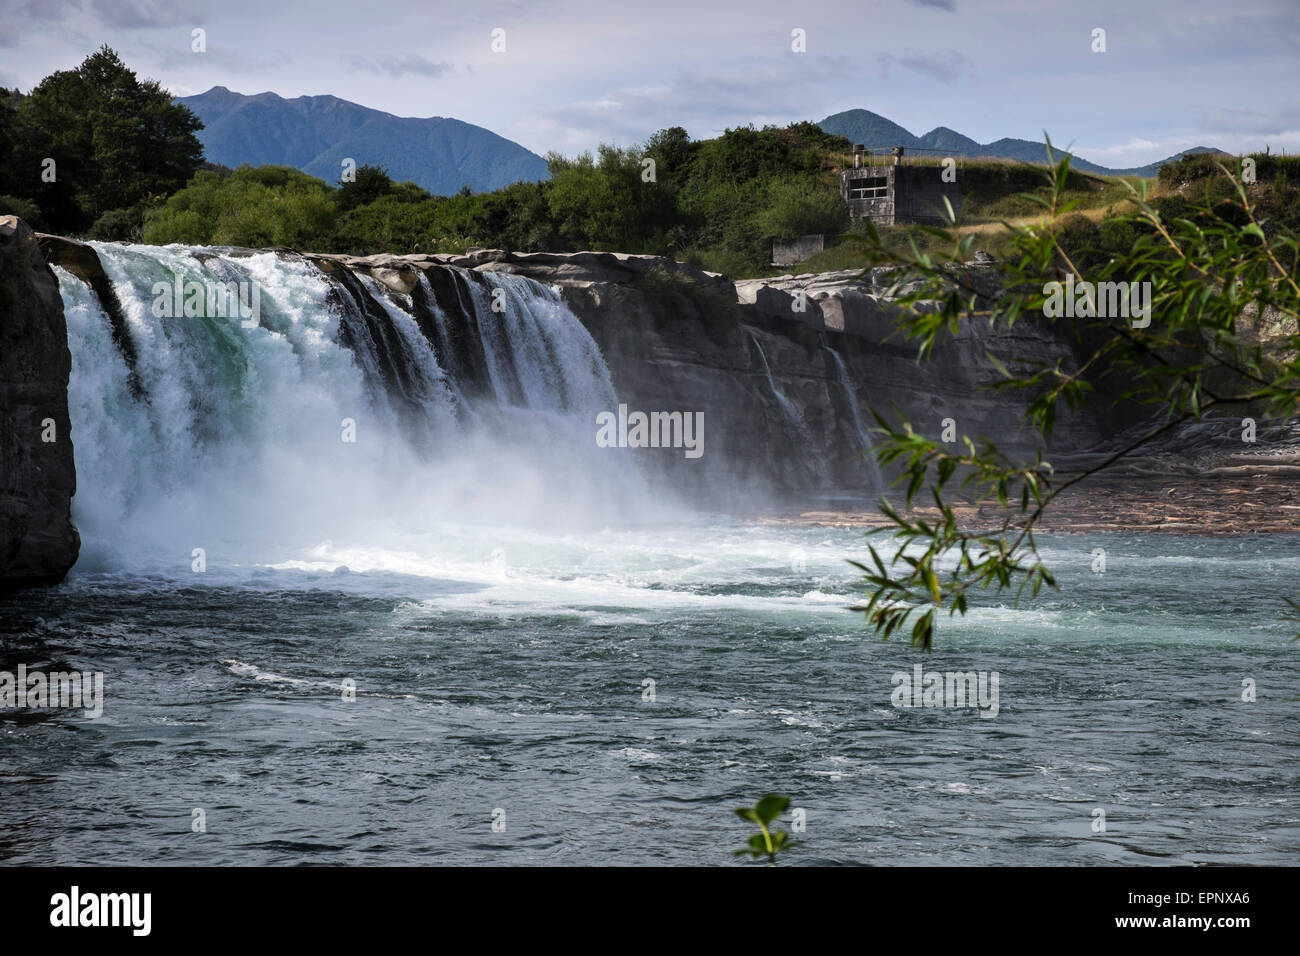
<point>38,543</point>
<point>953,382</point>
<point>82,261</point>
<point>789,368</point>
<point>786,370</point>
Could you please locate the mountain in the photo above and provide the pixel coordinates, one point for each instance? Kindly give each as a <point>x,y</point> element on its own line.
<point>874,131</point>
<point>943,138</point>
<point>316,133</point>
<point>868,128</point>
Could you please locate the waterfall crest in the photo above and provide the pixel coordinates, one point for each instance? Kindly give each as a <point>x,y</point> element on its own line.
<point>336,409</point>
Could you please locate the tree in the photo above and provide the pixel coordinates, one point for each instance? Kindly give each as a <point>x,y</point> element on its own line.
<point>115,142</point>
<point>8,129</point>
<point>1215,278</point>
<point>673,153</point>
<point>369,184</point>
<point>605,202</point>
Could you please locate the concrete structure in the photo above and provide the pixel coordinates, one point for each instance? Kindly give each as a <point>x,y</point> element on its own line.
<point>894,193</point>
<point>791,251</point>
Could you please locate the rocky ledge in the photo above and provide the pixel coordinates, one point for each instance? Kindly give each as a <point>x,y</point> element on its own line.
<point>38,543</point>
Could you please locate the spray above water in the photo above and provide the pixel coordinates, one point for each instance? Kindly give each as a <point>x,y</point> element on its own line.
<point>346,412</point>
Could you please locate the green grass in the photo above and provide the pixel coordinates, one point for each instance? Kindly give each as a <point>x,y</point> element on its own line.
<point>849,254</point>
<point>992,192</point>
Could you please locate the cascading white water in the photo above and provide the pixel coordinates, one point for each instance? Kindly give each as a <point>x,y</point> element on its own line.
<point>794,420</point>
<point>237,442</point>
<point>428,381</point>
<point>864,433</point>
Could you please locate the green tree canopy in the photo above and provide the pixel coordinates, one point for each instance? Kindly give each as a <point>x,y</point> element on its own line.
<point>606,201</point>
<point>367,185</point>
<point>255,207</point>
<point>115,142</point>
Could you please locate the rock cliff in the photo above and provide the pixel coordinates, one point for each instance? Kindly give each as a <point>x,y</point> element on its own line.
<point>784,371</point>
<point>38,542</point>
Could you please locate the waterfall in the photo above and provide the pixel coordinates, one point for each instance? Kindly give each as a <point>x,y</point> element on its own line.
<point>810,471</point>
<point>788,409</point>
<point>864,433</point>
<point>339,409</point>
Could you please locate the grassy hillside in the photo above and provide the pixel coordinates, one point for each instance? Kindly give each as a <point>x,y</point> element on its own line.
<point>993,191</point>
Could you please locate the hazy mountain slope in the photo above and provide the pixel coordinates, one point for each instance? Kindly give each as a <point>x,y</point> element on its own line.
<point>316,133</point>
<point>873,130</point>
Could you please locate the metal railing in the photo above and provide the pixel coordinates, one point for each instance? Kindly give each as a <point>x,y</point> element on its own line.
<point>912,156</point>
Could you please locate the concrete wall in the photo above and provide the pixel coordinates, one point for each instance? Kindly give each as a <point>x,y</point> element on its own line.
<point>919,194</point>
<point>792,251</point>
<point>879,209</point>
<point>902,194</point>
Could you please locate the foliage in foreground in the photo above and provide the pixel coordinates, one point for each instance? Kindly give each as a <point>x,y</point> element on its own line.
<point>766,842</point>
<point>1222,334</point>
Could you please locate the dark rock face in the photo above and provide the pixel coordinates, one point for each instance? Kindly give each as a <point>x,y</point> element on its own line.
<point>954,381</point>
<point>83,262</point>
<point>785,370</point>
<point>38,543</point>
<point>788,369</point>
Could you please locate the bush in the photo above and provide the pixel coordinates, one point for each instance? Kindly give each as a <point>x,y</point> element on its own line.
<point>24,209</point>
<point>254,207</point>
<point>1081,239</point>
<point>370,183</point>
<point>119,225</point>
<point>387,225</point>
<point>801,207</point>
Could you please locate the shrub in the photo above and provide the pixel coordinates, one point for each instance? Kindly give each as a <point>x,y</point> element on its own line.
<point>24,209</point>
<point>119,225</point>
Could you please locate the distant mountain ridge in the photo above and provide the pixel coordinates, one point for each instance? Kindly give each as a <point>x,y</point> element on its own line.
<point>872,129</point>
<point>316,133</point>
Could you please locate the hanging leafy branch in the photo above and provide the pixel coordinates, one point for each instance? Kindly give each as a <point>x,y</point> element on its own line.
<point>1216,280</point>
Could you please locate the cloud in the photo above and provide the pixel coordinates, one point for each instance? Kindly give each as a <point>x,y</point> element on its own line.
<point>1139,151</point>
<point>946,65</point>
<point>949,5</point>
<point>1133,153</point>
<point>27,11</point>
<point>777,91</point>
<point>177,57</point>
<point>396,66</point>
<point>1230,120</point>
<point>48,10</point>
<point>144,14</point>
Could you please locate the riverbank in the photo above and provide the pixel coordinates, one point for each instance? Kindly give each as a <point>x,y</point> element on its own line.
<point>1255,503</point>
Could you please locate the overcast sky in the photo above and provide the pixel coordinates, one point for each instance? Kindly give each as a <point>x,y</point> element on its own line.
<point>575,73</point>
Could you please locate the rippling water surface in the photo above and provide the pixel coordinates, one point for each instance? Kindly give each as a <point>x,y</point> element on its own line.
<point>507,671</point>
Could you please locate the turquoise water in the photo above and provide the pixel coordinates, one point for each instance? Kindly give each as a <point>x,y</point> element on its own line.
<point>507,674</point>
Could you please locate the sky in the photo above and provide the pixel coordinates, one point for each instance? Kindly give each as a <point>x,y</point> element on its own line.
<point>576,73</point>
